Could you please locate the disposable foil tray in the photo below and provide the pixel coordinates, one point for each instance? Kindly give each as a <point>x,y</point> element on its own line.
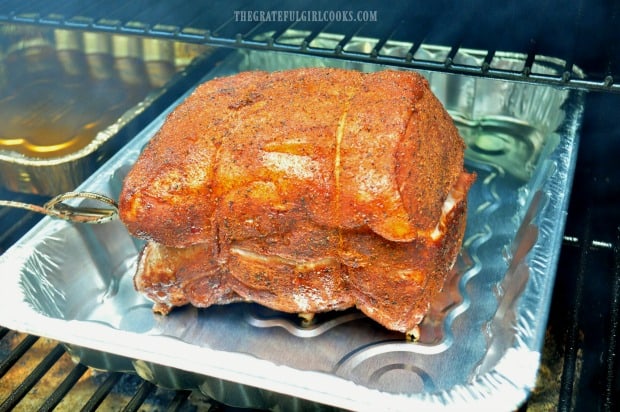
<point>66,98</point>
<point>480,345</point>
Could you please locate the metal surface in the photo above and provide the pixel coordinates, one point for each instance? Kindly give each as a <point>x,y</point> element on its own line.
<point>39,374</point>
<point>502,284</point>
<point>581,35</point>
<point>56,208</point>
<point>66,97</point>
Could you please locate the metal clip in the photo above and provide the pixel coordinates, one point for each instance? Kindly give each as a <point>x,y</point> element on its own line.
<point>79,214</point>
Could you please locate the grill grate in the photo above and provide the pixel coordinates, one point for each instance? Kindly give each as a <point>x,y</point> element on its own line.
<point>583,36</point>
<point>579,364</point>
<point>570,358</point>
<point>68,385</point>
<point>63,389</point>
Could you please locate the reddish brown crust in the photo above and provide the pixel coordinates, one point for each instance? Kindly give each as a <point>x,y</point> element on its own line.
<point>398,282</point>
<point>165,196</point>
<point>392,282</point>
<point>175,277</point>
<point>429,159</point>
<point>349,171</point>
<point>400,153</point>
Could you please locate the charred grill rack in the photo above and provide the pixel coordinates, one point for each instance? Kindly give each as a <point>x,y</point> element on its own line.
<point>55,379</point>
<point>580,368</point>
<point>586,31</point>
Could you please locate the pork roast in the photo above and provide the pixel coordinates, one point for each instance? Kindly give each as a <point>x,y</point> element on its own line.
<point>306,191</point>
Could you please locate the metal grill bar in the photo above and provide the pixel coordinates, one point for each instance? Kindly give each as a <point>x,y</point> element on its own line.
<point>55,368</point>
<point>143,392</point>
<point>32,379</point>
<point>140,13</point>
<point>121,13</point>
<point>281,31</point>
<point>17,353</point>
<point>348,35</point>
<point>570,357</point>
<point>64,388</point>
<point>131,19</point>
<point>383,40</point>
<point>102,391</point>
<point>611,355</point>
<point>179,400</point>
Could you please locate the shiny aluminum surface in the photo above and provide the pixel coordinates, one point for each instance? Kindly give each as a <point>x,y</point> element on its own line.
<point>480,344</point>
<point>66,94</point>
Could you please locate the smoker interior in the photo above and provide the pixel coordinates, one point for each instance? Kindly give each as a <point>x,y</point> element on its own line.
<point>579,365</point>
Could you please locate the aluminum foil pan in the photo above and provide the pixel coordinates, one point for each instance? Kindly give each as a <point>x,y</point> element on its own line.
<point>65,95</point>
<point>480,345</point>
